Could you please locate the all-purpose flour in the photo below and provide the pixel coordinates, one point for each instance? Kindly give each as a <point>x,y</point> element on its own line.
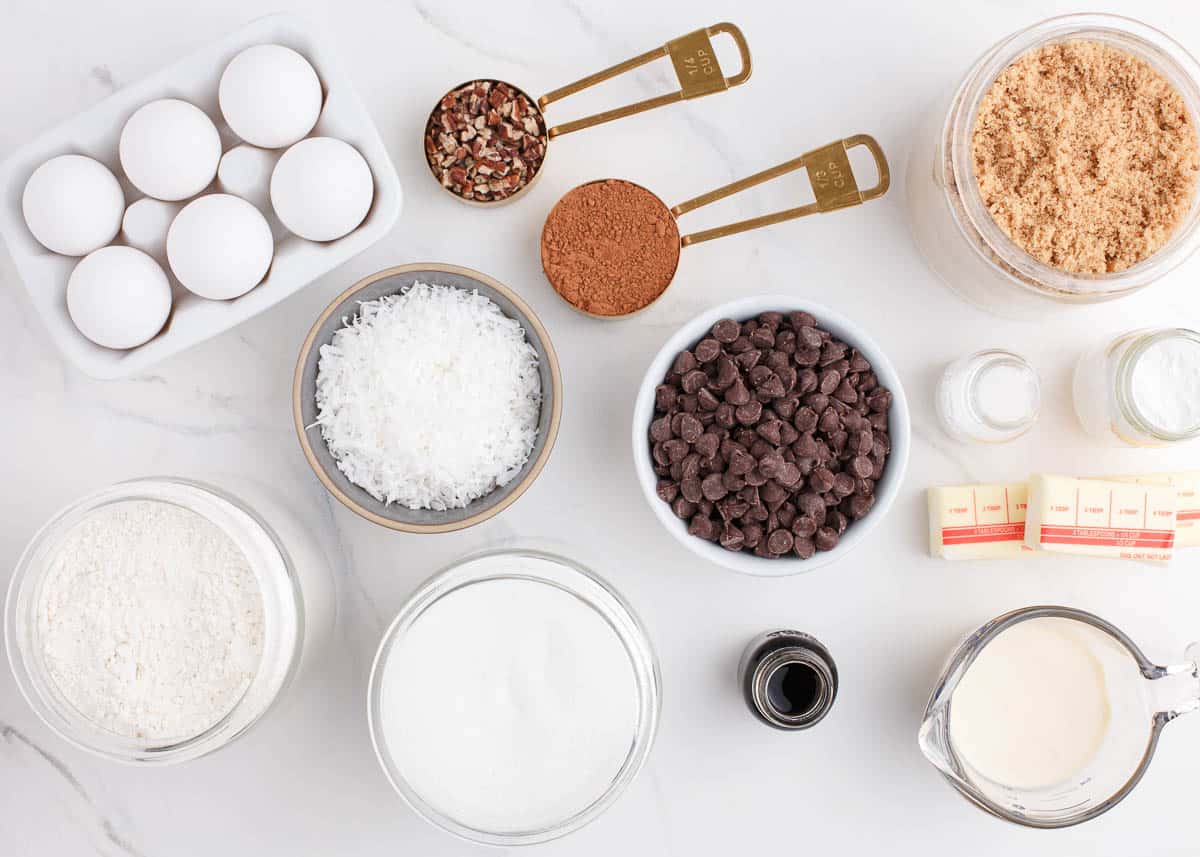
<point>150,620</point>
<point>510,705</point>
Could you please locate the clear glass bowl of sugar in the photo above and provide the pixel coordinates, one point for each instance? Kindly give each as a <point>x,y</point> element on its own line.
<point>39,602</point>
<point>513,698</point>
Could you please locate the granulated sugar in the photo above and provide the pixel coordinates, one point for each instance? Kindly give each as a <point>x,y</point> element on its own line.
<point>1085,156</point>
<point>150,621</point>
<point>429,398</point>
<point>509,705</point>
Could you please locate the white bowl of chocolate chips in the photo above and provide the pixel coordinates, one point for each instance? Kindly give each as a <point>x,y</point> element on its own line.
<point>770,435</point>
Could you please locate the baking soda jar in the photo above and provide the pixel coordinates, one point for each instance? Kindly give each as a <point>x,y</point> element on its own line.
<point>1141,388</point>
<point>950,221</point>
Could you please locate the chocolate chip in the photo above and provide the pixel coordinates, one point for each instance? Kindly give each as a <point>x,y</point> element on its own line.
<point>737,394</point>
<point>742,343</point>
<point>747,360</point>
<point>857,505</point>
<point>726,330</point>
<point>826,539</point>
<point>685,362</point>
<point>665,396</point>
<point>723,416</point>
<point>749,413</point>
<point>779,542</point>
<point>804,526</point>
<point>821,480</point>
<point>707,401</point>
<point>843,484</point>
<point>803,548</point>
<point>707,350</point>
<point>732,538</point>
<point>683,508</point>
<point>677,448</point>
<point>861,466</point>
<point>704,527</point>
<point>807,356</point>
<point>727,373</point>
<point>694,381</point>
<point>690,428</point>
<point>667,490</point>
<point>713,487</point>
<point>773,494</point>
<point>753,534</point>
<point>660,430</point>
<point>707,444</point>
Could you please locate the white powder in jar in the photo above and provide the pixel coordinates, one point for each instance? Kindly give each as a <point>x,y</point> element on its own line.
<point>429,398</point>
<point>1165,384</point>
<point>150,620</point>
<point>509,705</point>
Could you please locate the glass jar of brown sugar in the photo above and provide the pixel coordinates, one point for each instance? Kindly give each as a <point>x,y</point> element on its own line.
<point>969,240</point>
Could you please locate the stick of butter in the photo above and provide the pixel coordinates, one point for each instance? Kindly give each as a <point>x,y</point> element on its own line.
<point>1122,520</point>
<point>1187,512</point>
<point>977,521</point>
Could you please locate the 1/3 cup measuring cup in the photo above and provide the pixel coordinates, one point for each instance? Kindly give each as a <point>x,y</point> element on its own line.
<point>486,140</point>
<point>1139,698</point>
<point>606,267</point>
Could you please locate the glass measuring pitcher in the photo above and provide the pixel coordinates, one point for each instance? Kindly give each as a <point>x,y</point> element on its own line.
<point>1139,697</point>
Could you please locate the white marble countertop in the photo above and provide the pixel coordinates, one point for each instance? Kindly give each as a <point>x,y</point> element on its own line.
<point>305,780</point>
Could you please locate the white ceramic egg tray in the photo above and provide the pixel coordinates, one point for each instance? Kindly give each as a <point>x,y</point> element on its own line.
<point>95,133</point>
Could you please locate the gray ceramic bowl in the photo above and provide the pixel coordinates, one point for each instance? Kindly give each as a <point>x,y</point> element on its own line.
<point>304,405</point>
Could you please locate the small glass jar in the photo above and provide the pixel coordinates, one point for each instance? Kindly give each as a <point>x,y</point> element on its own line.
<point>283,621</point>
<point>952,227</point>
<point>991,396</point>
<point>1111,394</point>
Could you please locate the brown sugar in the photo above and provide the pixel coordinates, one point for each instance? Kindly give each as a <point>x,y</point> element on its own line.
<point>1085,156</point>
<point>610,247</point>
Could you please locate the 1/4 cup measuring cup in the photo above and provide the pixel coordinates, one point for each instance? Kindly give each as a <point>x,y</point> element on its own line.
<point>1141,698</point>
<point>611,247</point>
<point>486,140</point>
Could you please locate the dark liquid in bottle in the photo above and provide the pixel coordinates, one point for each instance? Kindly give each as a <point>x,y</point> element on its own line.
<point>793,688</point>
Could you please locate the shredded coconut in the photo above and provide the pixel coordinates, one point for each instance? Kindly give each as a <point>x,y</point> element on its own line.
<point>150,620</point>
<point>429,398</point>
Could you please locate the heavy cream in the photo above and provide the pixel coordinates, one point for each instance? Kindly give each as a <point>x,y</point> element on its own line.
<point>1033,708</point>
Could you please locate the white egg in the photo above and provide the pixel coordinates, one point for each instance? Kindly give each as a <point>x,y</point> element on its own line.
<point>321,188</point>
<point>146,223</point>
<point>118,297</point>
<point>73,205</point>
<point>270,96</point>
<point>245,171</point>
<point>169,149</point>
<point>220,246</point>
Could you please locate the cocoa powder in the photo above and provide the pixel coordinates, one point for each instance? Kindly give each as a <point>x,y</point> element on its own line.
<point>610,247</point>
<point>1085,156</point>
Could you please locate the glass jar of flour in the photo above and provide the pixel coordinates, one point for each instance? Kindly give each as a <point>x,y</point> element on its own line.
<point>1141,388</point>
<point>157,620</point>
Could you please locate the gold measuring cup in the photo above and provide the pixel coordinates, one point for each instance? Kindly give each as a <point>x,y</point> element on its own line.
<point>695,64</point>
<point>833,184</point>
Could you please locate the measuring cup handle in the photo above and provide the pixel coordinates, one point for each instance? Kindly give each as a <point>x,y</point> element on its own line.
<point>695,64</point>
<point>829,173</point>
